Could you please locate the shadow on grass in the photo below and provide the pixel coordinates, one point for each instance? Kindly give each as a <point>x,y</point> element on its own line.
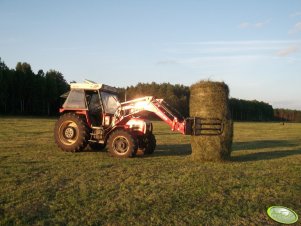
<point>185,149</point>
<point>264,155</point>
<point>172,150</point>
<point>259,144</point>
<point>257,156</point>
<point>166,133</point>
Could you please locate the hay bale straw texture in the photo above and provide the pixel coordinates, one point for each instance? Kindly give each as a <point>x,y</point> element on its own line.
<point>211,100</point>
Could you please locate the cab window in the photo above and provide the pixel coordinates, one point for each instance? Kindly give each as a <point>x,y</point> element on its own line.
<point>76,99</point>
<point>110,102</point>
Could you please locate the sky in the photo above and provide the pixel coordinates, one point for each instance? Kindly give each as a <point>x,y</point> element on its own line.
<point>254,46</point>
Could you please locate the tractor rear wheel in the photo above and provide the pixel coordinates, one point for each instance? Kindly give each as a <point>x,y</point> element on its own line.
<point>122,144</point>
<point>71,133</point>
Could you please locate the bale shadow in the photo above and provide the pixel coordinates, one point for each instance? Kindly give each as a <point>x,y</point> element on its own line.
<point>264,155</point>
<point>185,150</point>
<point>257,156</point>
<point>260,144</point>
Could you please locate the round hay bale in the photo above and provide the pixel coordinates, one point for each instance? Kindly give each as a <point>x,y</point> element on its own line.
<point>211,100</point>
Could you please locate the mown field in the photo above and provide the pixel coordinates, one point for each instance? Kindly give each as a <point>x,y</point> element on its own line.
<point>41,185</point>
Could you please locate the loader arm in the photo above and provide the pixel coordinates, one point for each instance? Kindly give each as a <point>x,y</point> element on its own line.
<point>186,126</point>
<point>158,107</point>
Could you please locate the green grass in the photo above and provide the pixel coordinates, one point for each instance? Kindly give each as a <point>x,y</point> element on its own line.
<point>41,185</point>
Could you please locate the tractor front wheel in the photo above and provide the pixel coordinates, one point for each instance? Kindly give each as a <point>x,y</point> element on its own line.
<point>150,146</point>
<point>121,144</point>
<point>147,144</point>
<point>71,133</point>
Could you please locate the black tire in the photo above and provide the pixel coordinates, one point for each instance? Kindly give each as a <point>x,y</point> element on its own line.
<point>122,144</point>
<point>151,143</point>
<point>147,144</point>
<point>71,133</point>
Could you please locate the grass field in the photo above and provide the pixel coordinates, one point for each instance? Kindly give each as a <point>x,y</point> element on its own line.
<point>41,185</point>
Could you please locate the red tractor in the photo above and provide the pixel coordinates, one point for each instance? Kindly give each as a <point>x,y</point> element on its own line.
<point>92,114</point>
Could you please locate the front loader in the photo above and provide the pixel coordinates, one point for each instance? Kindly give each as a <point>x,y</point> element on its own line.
<point>92,114</point>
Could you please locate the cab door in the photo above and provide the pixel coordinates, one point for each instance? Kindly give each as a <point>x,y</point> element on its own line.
<point>95,109</point>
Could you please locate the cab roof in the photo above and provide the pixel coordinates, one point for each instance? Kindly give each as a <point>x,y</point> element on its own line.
<point>90,85</point>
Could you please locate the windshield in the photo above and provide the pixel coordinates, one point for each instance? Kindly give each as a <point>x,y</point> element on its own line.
<point>110,102</point>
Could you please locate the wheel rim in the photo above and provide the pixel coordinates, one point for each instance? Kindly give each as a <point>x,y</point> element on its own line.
<point>121,145</point>
<point>68,132</point>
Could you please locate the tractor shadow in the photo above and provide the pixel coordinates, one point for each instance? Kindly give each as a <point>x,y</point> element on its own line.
<point>172,150</point>
<point>290,148</point>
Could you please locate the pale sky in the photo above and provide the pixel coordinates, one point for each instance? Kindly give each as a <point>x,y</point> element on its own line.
<point>254,46</point>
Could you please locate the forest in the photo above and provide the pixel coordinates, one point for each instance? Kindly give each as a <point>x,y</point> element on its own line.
<point>24,92</point>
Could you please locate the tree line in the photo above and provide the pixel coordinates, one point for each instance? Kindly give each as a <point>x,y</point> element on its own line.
<point>176,96</point>
<point>246,110</point>
<point>287,115</point>
<point>24,92</point>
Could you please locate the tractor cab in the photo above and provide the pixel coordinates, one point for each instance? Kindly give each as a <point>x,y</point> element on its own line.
<point>99,101</point>
<point>92,115</point>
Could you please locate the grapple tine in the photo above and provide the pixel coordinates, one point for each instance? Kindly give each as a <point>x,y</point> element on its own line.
<point>204,126</point>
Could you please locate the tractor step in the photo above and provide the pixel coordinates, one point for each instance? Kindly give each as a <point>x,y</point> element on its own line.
<point>204,126</point>
<point>97,135</point>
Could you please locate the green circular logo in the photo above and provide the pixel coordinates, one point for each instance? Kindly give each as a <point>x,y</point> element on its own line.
<point>282,214</point>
